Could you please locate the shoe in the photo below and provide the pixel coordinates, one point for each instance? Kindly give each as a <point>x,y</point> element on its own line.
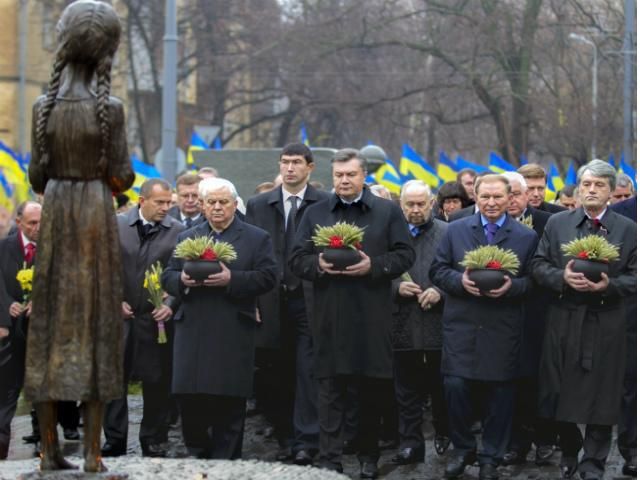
<point>156,450</point>
<point>488,471</point>
<point>4,451</point>
<point>33,438</point>
<point>513,457</point>
<point>568,466</point>
<point>333,467</point>
<point>441,443</point>
<point>544,454</point>
<point>71,434</point>
<point>303,457</point>
<point>457,464</point>
<point>368,470</point>
<point>408,455</point>
<point>629,468</point>
<point>389,444</point>
<point>113,450</point>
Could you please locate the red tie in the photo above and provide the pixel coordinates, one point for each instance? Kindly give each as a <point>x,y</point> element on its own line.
<point>31,252</point>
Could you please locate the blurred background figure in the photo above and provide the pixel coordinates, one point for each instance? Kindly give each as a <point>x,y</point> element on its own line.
<point>624,189</point>
<point>452,196</point>
<point>566,197</point>
<point>467,177</point>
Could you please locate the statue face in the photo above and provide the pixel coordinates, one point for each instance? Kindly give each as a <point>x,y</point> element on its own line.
<point>219,207</point>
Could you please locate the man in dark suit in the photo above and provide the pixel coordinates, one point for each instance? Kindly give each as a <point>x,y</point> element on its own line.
<point>16,252</point>
<point>283,333</point>
<point>214,335</point>
<point>519,207</point>
<point>352,307</point>
<point>583,357</point>
<point>188,210</point>
<point>536,178</point>
<point>481,330</point>
<point>147,235</point>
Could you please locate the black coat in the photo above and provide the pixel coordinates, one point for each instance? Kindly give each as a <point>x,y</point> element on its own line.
<point>351,325</point>
<point>462,213</point>
<point>267,212</point>
<point>145,358</point>
<point>627,208</point>
<point>481,335</point>
<point>413,327</point>
<point>539,219</point>
<point>214,337</point>
<point>174,212</point>
<point>551,208</point>
<point>583,354</point>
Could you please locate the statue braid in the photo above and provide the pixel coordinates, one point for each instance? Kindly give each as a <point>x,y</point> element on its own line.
<point>104,89</point>
<point>47,106</point>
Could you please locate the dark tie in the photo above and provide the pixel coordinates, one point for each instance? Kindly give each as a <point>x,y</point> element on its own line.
<point>188,222</point>
<point>492,228</point>
<point>415,230</point>
<point>290,280</point>
<point>595,225</point>
<point>30,252</point>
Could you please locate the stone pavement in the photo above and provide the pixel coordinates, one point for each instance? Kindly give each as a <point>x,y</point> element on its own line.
<point>256,447</point>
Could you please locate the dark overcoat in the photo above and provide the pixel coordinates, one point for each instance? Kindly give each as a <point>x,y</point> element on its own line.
<point>267,212</point>
<point>351,325</point>
<point>413,327</point>
<point>583,354</point>
<point>214,333</point>
<point>481,335</point>
<point>145,358</point>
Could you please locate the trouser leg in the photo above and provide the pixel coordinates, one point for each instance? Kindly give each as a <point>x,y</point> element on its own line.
<point>597,444</point>
<point>195,411</point>
<point>497,421</point>
<point>8,403</point>
<point>627,426</point>
<point>409,381</point>
<point>458,392</point>
<point>227,427</point>
<point>331,409</point>
<point>570,439</point>
<point>369,425</point>
<point>156,407</point>
<point>68,415</point>
<point>435,383</point>
<point>116,422</point>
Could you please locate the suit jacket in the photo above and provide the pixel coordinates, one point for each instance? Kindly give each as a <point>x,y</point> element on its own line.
<point>481,335</point>
<point>551,208</point>
<point>267,212</point>
<point>174,212</point>
<point>539,219</point>
<point>144,357</point>
<point>627,208</point>
<point>214,338</point>
<point>462,213</point>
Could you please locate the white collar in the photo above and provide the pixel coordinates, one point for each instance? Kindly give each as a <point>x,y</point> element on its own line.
<point>286,195</point>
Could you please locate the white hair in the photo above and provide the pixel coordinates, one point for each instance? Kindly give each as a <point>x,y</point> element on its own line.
<point>208,185</point>
<point>415,186</point>
<point>515,176</point>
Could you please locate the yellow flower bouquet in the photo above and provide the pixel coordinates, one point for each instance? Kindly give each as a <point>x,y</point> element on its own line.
<point>25,279</point>
<point>156,294</point>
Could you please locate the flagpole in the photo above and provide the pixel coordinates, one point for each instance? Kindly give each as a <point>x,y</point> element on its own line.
<point>169,128</point>
<point>22,78</point>
<point>629,21</point>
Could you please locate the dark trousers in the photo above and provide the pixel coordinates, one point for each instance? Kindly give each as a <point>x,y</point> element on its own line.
<point>527,427</point>
<point>332,408</point>
<point>12,351</point>
<point>596,444</point>
<point>415,373</point>
<point>212,425</point>
<point>627,426</point>
<point>496,398</point>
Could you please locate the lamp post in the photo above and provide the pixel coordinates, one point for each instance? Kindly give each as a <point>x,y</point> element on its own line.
<point>594,88</point>
<point>169,124</point>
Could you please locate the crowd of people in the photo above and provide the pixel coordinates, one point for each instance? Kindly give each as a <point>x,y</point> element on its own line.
<point>335,356</point>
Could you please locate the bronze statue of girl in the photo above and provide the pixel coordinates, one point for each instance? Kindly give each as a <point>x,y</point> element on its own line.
<point>80,160</point>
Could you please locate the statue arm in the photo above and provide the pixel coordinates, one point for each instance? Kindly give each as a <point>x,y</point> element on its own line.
<point>120,175</point>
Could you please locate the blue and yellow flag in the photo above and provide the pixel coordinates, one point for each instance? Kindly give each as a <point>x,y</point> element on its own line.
<point>554,183</point>
<point>6,193</point>
<point>413,165</point>
<point>304,138</point>
<point>628,170</point>
<point>197,143</point>
<point>217,143</point>
<point>447,170</point>
<point>571,178</point>
<point>498,164</point>
<point>388,176</point>
<point>462,164</point>
<point>15,174</point>
<point>612,160</point>
<point>143,173</point>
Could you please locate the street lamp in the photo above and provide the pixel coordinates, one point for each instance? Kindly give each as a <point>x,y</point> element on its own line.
<point>594,88</point>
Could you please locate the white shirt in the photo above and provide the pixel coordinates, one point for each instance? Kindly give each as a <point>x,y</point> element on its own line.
<point>287,203</point>
<point>183,218</point>
<point>25,242</point>
<point>144,220</point>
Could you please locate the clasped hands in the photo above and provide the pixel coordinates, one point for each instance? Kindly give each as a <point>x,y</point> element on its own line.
<point>358,269</point>
<point>161,314</point>
<point>579,282</point>
<point>426,298</point>
<point>470,286</point>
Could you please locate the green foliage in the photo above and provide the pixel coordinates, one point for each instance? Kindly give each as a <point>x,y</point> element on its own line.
<point>591,247</point>
<point>491,256</point>
<point>198,247</point>
<point>340,235</point>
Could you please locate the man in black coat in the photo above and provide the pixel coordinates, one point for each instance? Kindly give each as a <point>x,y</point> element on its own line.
<point>583,356</point>
<point>16,252</point>
<point>536,178</point>
<point>417,331</point>
<point>481,330</point>
<point>188,211</point>
<point>352,307</point>
<point>283,334</point>
<point>214,334</point>
<point>147,236</point>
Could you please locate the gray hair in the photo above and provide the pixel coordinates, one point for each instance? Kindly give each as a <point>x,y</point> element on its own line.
<point>345,154</point>
<point>416,186</point>
<point>208,185</point>
<point>623,180</point>
<point>598,168</point>
<point>515,177</point>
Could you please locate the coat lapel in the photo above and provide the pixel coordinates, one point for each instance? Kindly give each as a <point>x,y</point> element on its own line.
<point>478,230</point>
<point>503,232</point>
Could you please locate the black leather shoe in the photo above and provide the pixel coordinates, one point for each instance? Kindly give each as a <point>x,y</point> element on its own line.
<point>456,465</point>
<point>630,468</point>
<point>113,450</point>
<point>33,438</point>
<point>71,434</point>
<point>408,456</point>
<point>441,443</point>
<point>368,470</point>
<point>513,457</point>
<point>568,466</point>
<point>544,454</point>
<point>4,450</point>
<point>156,450</point>
<point>488,471</point>
<point>303,457</point>
<point>388,444</point>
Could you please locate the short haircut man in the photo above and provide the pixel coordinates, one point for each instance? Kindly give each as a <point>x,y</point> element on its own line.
<point>623,190</point>
<point>466,177</point>
<point>536,178</point>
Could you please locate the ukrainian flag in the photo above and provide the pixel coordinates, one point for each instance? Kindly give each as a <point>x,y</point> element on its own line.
<point>462,164</point>
<point>304,138</point>
<point>388,176</point>
<point>197,143</point>
<point>571,178</point>
<point>6,193</point>
<point>554,183</point>
<point>498,164</point>
<point>143,173</point>
<point>413,165</point>
<point>15,173</point>
<point>628,170</point>
<point>447,170</point>
<point>217,143</point>
<point>612,160</point>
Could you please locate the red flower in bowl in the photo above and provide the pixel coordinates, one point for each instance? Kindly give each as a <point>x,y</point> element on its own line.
<point>209,254</point>
<point>336,242</point>
<point>494,265</point>
<point>583,255</point>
